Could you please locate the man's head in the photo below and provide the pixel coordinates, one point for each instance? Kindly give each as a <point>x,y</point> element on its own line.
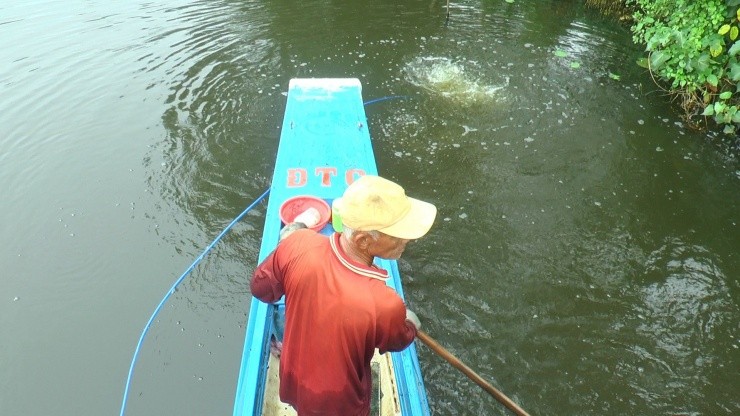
<point>372,203</point>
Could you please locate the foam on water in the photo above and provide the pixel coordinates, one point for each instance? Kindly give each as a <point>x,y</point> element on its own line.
<point>451,80</point>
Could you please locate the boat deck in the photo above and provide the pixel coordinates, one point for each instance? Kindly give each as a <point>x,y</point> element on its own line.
<point>385,398</point>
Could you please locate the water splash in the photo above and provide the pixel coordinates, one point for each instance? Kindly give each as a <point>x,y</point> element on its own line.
<point>451,80</point>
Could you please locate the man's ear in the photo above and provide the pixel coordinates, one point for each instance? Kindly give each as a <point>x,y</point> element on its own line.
<point>362,239</point>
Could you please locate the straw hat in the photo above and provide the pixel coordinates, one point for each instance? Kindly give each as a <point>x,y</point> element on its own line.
<point>374,203</point>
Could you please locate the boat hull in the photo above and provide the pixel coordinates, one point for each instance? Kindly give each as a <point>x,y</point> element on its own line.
<point>324,146</point>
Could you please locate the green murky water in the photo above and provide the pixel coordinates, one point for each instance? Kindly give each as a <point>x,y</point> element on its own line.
<point>585,260</point>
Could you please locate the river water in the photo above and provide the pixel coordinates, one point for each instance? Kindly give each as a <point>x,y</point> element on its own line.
<point>585,258</point>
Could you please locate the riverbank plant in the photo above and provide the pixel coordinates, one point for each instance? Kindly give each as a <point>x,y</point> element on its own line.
<point>616,8</point>
<point>692,47</point>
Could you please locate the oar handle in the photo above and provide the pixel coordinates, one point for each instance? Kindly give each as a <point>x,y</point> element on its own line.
<point>434,345</point>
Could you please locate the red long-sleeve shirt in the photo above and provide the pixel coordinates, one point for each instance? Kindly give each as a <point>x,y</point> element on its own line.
<point>337,312</point>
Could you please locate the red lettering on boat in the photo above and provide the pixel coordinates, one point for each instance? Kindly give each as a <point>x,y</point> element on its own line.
<point>352,175</point>
<point>326,173</point>
<point>297,177</point>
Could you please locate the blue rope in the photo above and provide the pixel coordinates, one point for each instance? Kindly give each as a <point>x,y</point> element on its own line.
<point>172,290</point>
<point>390,97</point>
<point>195,263</point>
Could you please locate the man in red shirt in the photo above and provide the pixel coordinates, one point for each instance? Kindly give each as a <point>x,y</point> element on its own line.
<point>338,308</point>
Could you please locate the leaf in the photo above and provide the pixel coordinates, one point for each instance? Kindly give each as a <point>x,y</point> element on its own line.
<point>575,65</point>
<point>510,1</point>
<point>735,72</point>
<point>734,49</point>
<point>702,63</point>
<point>657,59</point>
<point>719,107</point>
<point>729,129</point>
<point>712,80</point>
<point>736,117</point>
<point>733,33</point>
<point>738,14</point>
<point>715,49</point>
<point>643,62</point>
<point>560,53</point>
<point>724,29</point>
<point>658,40</point>
<point>614,76</point>
<point>725,95</point>
<point>678,38</point>
<point>708,110</point>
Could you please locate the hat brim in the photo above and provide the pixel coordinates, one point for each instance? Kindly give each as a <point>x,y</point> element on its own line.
<point>415,224</point>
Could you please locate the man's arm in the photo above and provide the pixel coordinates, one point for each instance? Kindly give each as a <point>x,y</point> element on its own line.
<point>398,329</point>
<point>267,280</point>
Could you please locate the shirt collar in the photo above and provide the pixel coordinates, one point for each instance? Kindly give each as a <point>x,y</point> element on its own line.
<point>373,272</point>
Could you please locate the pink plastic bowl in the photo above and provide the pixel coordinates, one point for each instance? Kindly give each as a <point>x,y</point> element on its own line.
<point>298,204</point>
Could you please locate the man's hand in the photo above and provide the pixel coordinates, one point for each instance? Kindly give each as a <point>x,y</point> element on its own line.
<point>305,219</point>
<point>411,317</point>
<point>289,229</point>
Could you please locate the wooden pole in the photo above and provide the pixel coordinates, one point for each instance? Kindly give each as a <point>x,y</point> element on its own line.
<point>434,345</point>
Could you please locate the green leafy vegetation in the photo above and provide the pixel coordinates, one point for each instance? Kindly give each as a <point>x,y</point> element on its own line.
<point>693,47</point>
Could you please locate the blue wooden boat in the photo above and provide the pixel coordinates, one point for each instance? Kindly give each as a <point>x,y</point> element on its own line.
<point>324,146</point>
